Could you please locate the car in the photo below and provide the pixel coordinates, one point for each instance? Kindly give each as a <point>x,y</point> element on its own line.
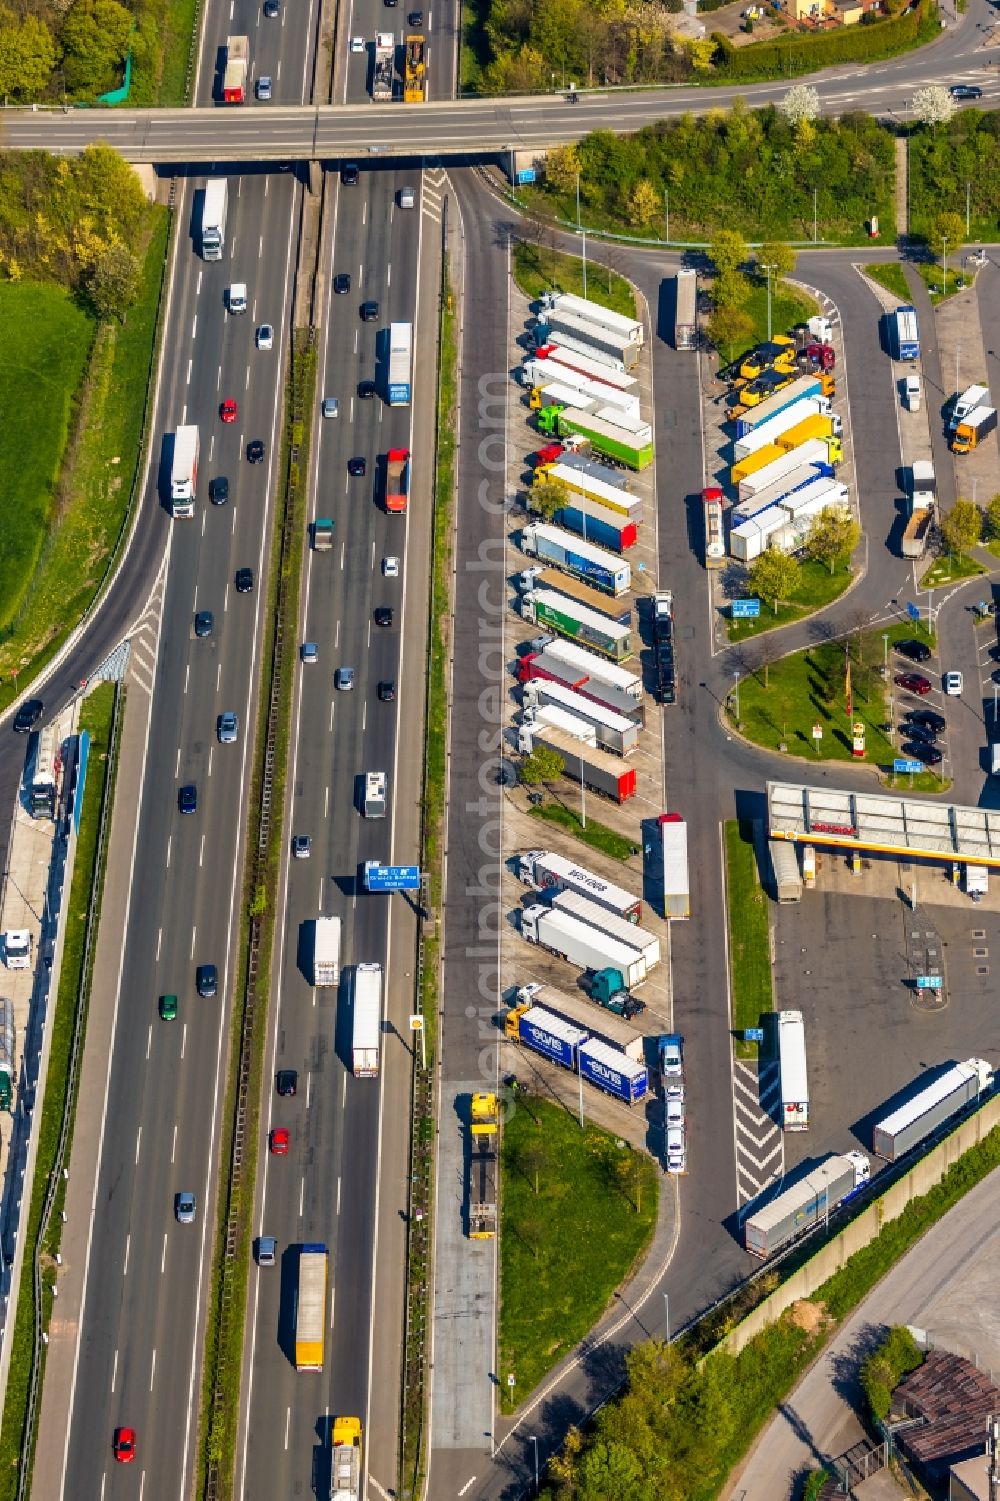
<point>255,451</point>
<point>918,731</point>
<point>674,1109</point>
<point>227,728</point>
<point>263,88</point>
<point>309,651</point>
<point>187,798</point>
<point>168,1008</point>
<point>265,336</point>
<point>671,1060</point>
<point>383,615</point>
<point>272,9</point>
<point>366,389</point>
<point>206,981</point>
<point>357,44</point>
<point>236,297</point>
<point>357,467</point>
<point>390,4</point>
<point>928,718</point>
<point>965,91</point>
<point>229,411</point>
<point>390,568</point>
<point>267,1250</point>
<point>218,490</point>
<point>28,715</point>
<point>185,1205</point>
<point>953,683</point>
<point>244,580</point>
<point>342,283</point>
<point>917,651</point>
<point>278,1141</point>
<point>407,198</point>
<point>676,1150</point>
<point>301,846</point>
<point>124,1445</point>
<point>912,682</point>
<point>415,18</point>
<point>204,623</point>
<point>286,1081</point>
<point>919,750</point>
<point>369,311</point>
<point>331,406</point>
<point>349,175</point>
<point>387,690</point>
<point>343,678</point>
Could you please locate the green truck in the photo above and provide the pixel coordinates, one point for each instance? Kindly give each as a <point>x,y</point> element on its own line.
<point>566,616</point>
<point>625,439</point>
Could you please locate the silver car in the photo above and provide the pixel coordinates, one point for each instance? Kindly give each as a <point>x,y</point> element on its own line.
<point>184,1208</point>
<point>676,1150</point>
<point>344,678</point>
<point>228,728</point>
<point>264,88</point>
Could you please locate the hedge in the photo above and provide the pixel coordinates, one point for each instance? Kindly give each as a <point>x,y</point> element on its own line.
<point>801,53</point>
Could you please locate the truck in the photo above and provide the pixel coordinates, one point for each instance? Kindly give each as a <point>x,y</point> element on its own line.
<point>322,534</point>
<point>538,578</point>
<point>400,363</point>
<point>920,502</point>
<point>965,404</point>
<point>554,362</point>
<point>674,857</point>
<point>622,348</point>
<point>779,354</point>
<point>551,717</point>
<point>606,988</point>
<point>580,944</point>
<point>597,915</point>
<point>366,1020</point>
<point>971,433</point>
<point>573,389</point>
<point>213,218</point>
<point>833,1181</point>
<point>545,1033</point>
<point>385,66</point>
<point>761,458</point>
<point>566,616</point>
<point>375,794</point>
<point>583,671</point>
<point>556,393</point>
<point>594,768</point>
<point>776,428</point>
<point>397,479</point>
<point>586,519</point>
<point>234,80</point>
<point>17,948</point>
<point>310,1307</point>
<point>45,771</point>
<point>754,536</point>
<point>617,1074</point>
<point>8,1073</point>
<point>663,646</point>
<point>904,335</point>
<point>788,462</point>
<point>326,951</point>
<point>632,447</point>
<point>572,345</point>
<point>594,312</point>
<point>484,1133</point>
<point>345,1460</point>
<point>686,310</point>
<point>597,567</point>
<point>184,471</point>
<point>785,871</point>
<point>582,481</point>
<point>613,732</point>
<point>575,455</point>
<point>792,1071</point>
<point>414,70</point>
<point>950,1092</point>
<point>714,526</point>
<point>804,385</point>
<point>610,1027</point>
<point>824,427</point>
<point>544,870</point>
<point>789,484</point>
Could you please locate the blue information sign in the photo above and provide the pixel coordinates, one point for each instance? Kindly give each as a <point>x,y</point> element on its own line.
<point>525,174</point>
<point>903,763</point>
<point>913,611</point>
<point>929,982</point>
<point>746,609</point>
<point>753,1034</point>
<point>391,877</point>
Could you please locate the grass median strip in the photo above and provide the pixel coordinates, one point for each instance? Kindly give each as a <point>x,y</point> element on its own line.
<point>749,939</point>
<point>538,269</point>
<point>597,835</point>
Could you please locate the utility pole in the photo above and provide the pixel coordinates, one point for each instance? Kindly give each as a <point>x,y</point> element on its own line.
<point>944,262</point>
<point>968,207</point>
<point>815,215</point>
<point>666,211</point>
<point>768,269</point>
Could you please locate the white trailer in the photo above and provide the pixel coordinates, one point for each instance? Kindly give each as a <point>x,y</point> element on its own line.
<point>808,454</point>
<point>184,471</point>
<point>622,929</point>
<point>797,478</point>
<point>944,1097</point>
<point>676,880</point>
<point>366,1020</point>
<point>552,717</point>
<point>593,392</point>
<point>603,317</point>
<point>213,218</point>
<point>571,345</point>
<point>581,944</point>
<point>614,732</point>
<point>557,394</point>
<point>552,362</point>
<point>585,671</point>
<point>748,540</point>
<point>326,951</point>
<point>546,871</point>
<point>792,1070</point>
<point>785,869</point>
<point>592,338</point>
<point>815,497</point>
<point>578,482</point>
<point>580,1012</point>
<point>775,427</point>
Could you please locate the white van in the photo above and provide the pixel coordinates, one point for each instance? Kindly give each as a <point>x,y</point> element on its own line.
<point>407,198</point>
<point>238,297</point>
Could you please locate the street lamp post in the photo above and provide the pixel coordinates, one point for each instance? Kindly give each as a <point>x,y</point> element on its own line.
<point>535,1442</point>
<point>736,696</point>
<point>815,215</point>
<point>958,351</point>
<point>768,269</point>
<point>666,1313</point>
<point>583,797</point>
<point>968,207</point>
<point>944,262</point>
<point>666,212</point>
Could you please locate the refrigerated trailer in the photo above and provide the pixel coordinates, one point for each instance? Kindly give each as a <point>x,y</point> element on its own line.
<point>184,471</point>
<point>596,313</point>
<point>551,360</point>
<point>591,337</point>
<point>605,1025</point>
<point>594,768</point>
<point>310,1310</point>
<point>676,879</point>
<point>400,363</point>
<point>595,565</point>
<point>546,871</point>
<point>213,218</point>
<point>792,1071</point>
<point>686,310</point>
<point>562,613</point>
<point>584,671</point>
<point>552,717</point>
<point>949,1093</point>
<point>366,1020</point>
<point>622,929</point>
<point>326,951</point>
<point>581,944</point>
<point>613,732</point>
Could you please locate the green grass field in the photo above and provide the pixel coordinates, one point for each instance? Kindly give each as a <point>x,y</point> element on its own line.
<point>597,835</point>
<point>788,307</point>
<point>749,943</point>
<point>889,274</point>
<point>538,270</point>
<point>818,587</point>
<point>564,1249</point>
<point>47,338</point>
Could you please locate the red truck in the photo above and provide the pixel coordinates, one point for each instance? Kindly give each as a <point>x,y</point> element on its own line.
<point>234,81</point>
<point>397,479</point>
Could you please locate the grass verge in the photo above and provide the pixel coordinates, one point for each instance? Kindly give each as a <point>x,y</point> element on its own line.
<point>557,1183</point>
<point>178,41</point>
<point>225,1324</point>
<point>948,568</point>
<point>788,307</point>
<point>932,275</point>
<point>889,274</point>
<point>597,835</point>
<point>95,489</point>
<point>749,939</point>
<point>538,270</point>
<point>817,588</point>
<point>83,909</point>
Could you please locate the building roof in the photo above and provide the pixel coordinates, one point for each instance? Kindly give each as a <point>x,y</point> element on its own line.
<point>954,1399</point>
<point>903,826</point>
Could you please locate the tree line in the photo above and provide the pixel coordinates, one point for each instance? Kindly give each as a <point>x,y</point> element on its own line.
<point>55,53</point>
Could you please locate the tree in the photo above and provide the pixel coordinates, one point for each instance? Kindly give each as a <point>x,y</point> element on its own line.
<point>729,251</point>
<point>547,496</point>
<point>533,1159</point>
<point>27,56</point>
<point>948,229</point>
<point>543,765</point>
<point>562,167</point>
<point>644,204</point>
<point>530,1228</point>
<point>774,576</point>
<point>833,535</point>
<point>732,289</point>
<point>628,1172</point>
<point>730,328</point>
<point>800,103</point>
<point>993,519</point>
<point>962,528</point>
<point>114,282</point>
<point>933,105</point>
<point>781,259</point>
<point>95,37</point>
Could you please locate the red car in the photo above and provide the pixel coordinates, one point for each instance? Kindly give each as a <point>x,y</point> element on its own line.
<point>279,1142</point>
<point>124,1445</point>
<point>229,411</point>
<point>913,683</point>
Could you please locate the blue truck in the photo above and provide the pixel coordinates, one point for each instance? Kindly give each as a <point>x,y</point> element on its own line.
<point>613,1072</point>
<point>572,1046</point>
<point>904,335</point>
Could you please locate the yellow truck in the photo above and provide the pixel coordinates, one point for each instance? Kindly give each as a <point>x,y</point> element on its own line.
<point>484,1133</point>
<point>970,433</point>
<point>310,1320</point>
<point>778,355</point>
<point>754,461</point>
<point>345,1467</point>
<point>415,70</point>
<point>816,426</point>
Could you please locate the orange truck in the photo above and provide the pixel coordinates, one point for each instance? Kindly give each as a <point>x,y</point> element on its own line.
<point>397,479</point>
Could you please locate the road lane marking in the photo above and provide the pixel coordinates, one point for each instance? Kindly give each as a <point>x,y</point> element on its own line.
<point>309,1080</point>
<point>152,1371</point>
<point>188,381</point>
<point>159,940</point>
<point>288,1423</point>
<point>128,1247</point>
<point>333,1294</point>
<point>173,1146</point>
<point>302,1194</point>
<point>343,1091</point>
<point>336,636</point>
<point>326,803</point>
<point>218,380</point>
<point>194,934</point>
<point>332,707</point>
<point>201,852</point>
<point>388,274</point>
<point>204,516</point>
<point>149,1040</point>
<point>341,562</point>
<point>211,753</point>
<point>218,677</point>
<point>177,768</point>
<point>465,1487</point>
<point>187,676</point>
<point>114,1374</point>
<point>338,1196</point>
<point>184,1038</point>
<point>321,893</point>
<point>364,718</point>
<point>163,1253</point>
<point>138,1144</point>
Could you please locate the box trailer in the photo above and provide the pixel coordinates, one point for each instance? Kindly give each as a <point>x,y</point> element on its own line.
<point>579,482</point>
<point>538,578</point>
<point>595,565</point>
<point>558,395</point>
<point>552,717</point>
<point>214,206</point>
<point>785,870</point>
<point>606,774</point>
<point>787,461</point>
<point>803,385</point>
<point>546,1033</point>
<point>612,438</point>
<point>184,471</point>
<point>383,75</point>
<point>400,363</point>
<point>234,79</point>
<point>366,1020</point>
<point>613,1071</point>
<point>613,732</point>
<point>571,345</point>
<point>792,1071</point>
<point>559,360</point>
<point>774,430</point>
<point>809,1202</point>
<point>596,313</point>
<point>748,540</point>
<point>581,1012</point>
<point>586,907</point>
<point>594,524</point>
<point>590,337</point>
<point>484,1136</point>
<point>761,458</point>
<point>581,944</point>
<point>565,615</point>
<point>822,426</point>
<point>945,1096</point>
<point>8,1074</point>
<point>310,1308</point>
<point>974,430</point>
<point>794,480</point>
<point>904,334</point>
<point>582,461</point>
<point>546,871</point>
<point>575,389</point>
<point>326,951</point>
<point>686,310</point>
<point>674,855</point>
<point>585,672</point>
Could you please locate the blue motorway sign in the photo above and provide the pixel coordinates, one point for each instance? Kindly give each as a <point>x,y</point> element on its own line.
<point>913,611</point>
<point>746,609</point>
<point>929,982</point>
<point>391,877</point>
<point>753,1034</point>
<point>903,763</point>
<point>525,175</point>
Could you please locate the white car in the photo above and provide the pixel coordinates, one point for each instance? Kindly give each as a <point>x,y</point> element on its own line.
<point>237,299</point>
<point>671,1058</point>
<point>263,88</point>
<point>953,682</point>
<point>390,568</point>
<point>676,1150</point>
<point>357,44</point>
<point>331,406</point>
<point>674,1104</point>
<point>265,336</point>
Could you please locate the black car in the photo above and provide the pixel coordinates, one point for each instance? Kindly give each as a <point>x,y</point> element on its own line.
<point>287,1081</point>
<point>928,718</point>
<point>919,750</point>
<point>383,615</point>
<point>28,715</point>
<point>349,175</point>
<point>415,18</point>
<point>218,490</point>
<point>255,451</point>
<point>244,580</point>
<point>187,798</point>
<point>919,732</point>
<point>356,467</point>
<point>342,283</point>
<point>917,651</point>
<point>369,311</point>
<point>206,980</point>
<point>965,91</point>
<point>271,9</point>
<point>204,623</point>
<point>366,389</point>
<point>387,691</point>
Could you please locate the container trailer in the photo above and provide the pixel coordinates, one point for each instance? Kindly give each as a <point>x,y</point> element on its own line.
<point>595,565</point>
<point>484,1135</point>
<point>606,774</point>
<point>557,360</point>
<point>581,944</point>
<point>587,908</point>
<point>400,363</point>
<point>579,482</point>
<point>686,310</point>
<point>596,313</point>
<point>590,337</point>
<point>326,951</point>
<point>676,879</point>
<point>234,79</point>
<point>950,1092</point>
<point>613,1071</point>
<point>367,1020</point>
<point>577,1010</point>
<point>546,871</point>
<point>310,1310</point>
<point>808,1202</point>
<point>566,616</point>
<point>613,732</point>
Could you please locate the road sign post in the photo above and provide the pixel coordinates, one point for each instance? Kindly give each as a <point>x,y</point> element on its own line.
<point>417,1025</point>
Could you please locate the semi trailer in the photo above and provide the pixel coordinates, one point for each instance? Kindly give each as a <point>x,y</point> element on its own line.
<point>950,1092</point>
<point>544,870</point>
<point>808,1202</point>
